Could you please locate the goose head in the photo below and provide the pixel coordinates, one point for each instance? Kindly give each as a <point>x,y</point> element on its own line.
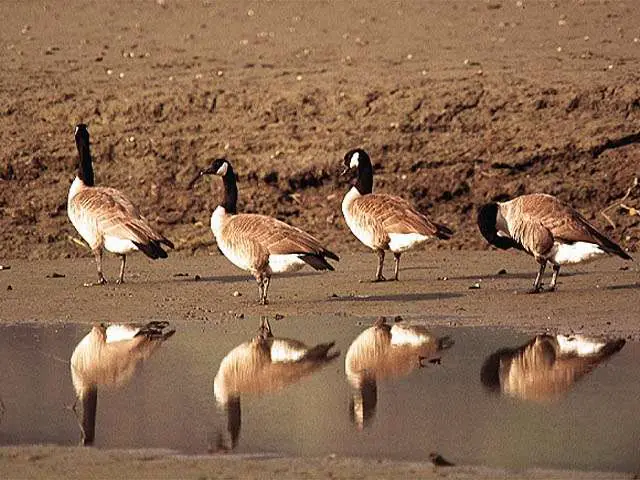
<point>353,159</point>
<point>220,167</point>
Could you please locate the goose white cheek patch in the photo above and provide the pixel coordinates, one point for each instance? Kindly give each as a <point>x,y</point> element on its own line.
<point>222,171</point>
<point>354,160</point>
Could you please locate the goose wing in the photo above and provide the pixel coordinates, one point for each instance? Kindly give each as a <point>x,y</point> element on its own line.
<point>564,223</point>
<point>396,215</point>
<point>277,237</point>
<point>115,215</point>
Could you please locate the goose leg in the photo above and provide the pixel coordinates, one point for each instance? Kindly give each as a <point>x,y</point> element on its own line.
<point>97,253</point>
<point>537,285</point>
<point>123,261</point>
<point>265,288</point>
<point>554,278</point>
<point>379,277</point>
<point>260,287</point>
<point>396,255</point>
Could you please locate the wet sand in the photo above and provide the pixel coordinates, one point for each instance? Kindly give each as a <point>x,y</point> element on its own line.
<point>444,288</point>
<point>598,298</point>
<point>63,463</point>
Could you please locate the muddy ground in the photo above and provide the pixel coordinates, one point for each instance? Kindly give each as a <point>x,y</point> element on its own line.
<point>437,288</point>
<point>457,102</point>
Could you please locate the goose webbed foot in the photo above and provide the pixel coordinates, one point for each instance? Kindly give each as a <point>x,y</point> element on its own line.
<point>537,289</point>
<point>101,281</point>
<point>379,278</point>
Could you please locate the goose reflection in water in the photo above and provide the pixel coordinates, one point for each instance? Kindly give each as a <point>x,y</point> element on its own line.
<point>109,356</point>
<point>383,351</point>
<point>263,364</point>
<point>546,367</point>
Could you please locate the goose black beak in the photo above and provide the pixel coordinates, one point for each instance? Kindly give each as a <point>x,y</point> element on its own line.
<point>195,179</point>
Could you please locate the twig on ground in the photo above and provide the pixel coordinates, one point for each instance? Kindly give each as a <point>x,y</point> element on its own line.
<point>620,204</point>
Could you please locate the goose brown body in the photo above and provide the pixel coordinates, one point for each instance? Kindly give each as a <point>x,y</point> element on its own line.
<point>546,228</point>
<point>260,244</point>
<point>382,221</point>
<point>105,218</point>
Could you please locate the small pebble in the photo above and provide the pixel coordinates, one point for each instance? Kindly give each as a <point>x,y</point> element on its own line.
<point>9,287</point>
<point>278,316</point>
<point>475,286</point>
<point>237,294</point>
<point>197,278</point>
<point>56,275</point>
<point>239,315</point>
<point>502,271</point>
<point>443,278</point>
<point>5,267</point>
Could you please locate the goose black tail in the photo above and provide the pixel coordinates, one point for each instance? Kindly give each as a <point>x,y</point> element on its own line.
<point>155,330</point>
<point>444,232</point>
<point>153,249</point>
<point>613,248</point>
<point>317,261</point>
<point>321,352</point>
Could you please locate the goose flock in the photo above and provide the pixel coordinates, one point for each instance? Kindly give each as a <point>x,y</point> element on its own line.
<point>549,230</point>
<point>538,224</point>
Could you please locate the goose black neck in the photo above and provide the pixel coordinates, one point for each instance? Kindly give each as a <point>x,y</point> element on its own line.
<point>85,167</point>
<point>364,182</point>
<point>230,202</point>
<point>89,409</point>
<point>487,218</point>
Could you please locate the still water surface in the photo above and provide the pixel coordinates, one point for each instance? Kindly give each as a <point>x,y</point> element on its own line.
<point>570,414</point>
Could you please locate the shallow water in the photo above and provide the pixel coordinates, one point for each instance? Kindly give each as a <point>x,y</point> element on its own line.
<point>169,402</point>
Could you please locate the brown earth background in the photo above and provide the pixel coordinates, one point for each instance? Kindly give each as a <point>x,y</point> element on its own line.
<point>458,103</point>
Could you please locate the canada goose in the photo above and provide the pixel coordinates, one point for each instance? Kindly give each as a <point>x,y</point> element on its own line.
<point>262,365</point>
<point>546,367</point>
<point>383,351</point>
<point>105,218</point>
<point>259,244</point>
<point>109,356</point>
<point>546,228</point>
<point>380,221</point>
